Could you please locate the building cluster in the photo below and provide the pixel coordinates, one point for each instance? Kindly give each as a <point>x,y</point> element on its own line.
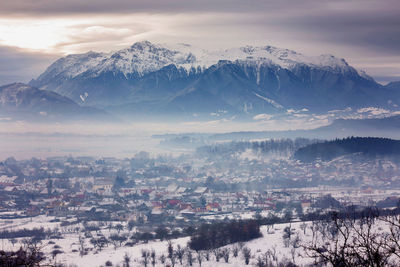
<point>177,190</point>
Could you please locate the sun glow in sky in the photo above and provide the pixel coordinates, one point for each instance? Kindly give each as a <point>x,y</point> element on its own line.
<point>35,34</point>
<point>71,35</point>
<point>106,32</point>
<point>79,34</point>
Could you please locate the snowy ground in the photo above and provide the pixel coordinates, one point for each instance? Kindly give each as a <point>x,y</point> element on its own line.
<point>258,247</point>
<point>272,240</point>
<point>271,243</point>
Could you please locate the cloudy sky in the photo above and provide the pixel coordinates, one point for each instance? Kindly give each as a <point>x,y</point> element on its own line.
<point>33,33</point>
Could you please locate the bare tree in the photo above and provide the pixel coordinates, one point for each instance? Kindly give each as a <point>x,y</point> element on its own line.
<point>295,243</point>
<point>235,251</point>
<point>162,258</point>
<point>117,240</point>
<point>170,250</point>
<point>13,241</point>
<point>100,243</point>
<point>293,253</point>
<point>180,252</point>
<point>260,262</point>
<point>30,256</point>
<point>189,257</point>
<point>145,257</point>
<point>171,253</point>
<point>303,227</point>
<point>110,226</point>
<point>119,227</point>
<point>131,224</point>
<point>82,249</point>
<point>153,257</point>
<point>287,234</point>
<point>55,252</point>
<point>173,260</point>
<point>199,257</point>
<point>225,252</point>
<point>207,255</point>
<point>127,260</point>
<point>393,238</point>
<point>274,257</point>
<point>246,254</point>
<point>352,243</point>
<point>217,254</point>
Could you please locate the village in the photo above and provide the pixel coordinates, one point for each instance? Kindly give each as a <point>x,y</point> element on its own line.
<point>77,208</point>
<point>152,192</point>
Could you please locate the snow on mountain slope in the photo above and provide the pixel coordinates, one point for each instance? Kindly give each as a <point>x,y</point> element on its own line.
<point>270,101</point>
<point>284,58</point>
<point>145,57</point>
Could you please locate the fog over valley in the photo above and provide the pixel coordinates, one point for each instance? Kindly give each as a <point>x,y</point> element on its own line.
<point>208,133</point>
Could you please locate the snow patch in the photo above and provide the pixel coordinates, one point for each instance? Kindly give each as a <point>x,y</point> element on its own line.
<point>270,101</point>
<point>263,117</point>
<point>145,57</point>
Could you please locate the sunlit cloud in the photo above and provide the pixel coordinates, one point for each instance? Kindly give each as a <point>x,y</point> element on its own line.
<point>348,109</point>
<point>296,111</point>
<point>373,111</point>
<point>263,117</point>
<point>33,34</point>
<point>67,35</point>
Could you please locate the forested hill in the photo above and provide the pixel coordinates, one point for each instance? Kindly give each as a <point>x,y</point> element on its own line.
<point>331,149</point>
<point>271,145</point>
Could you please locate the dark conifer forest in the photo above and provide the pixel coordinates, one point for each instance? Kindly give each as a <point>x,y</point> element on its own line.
<point>369,146</point>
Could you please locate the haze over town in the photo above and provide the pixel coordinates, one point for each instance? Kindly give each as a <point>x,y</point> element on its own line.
<point>199,133</point>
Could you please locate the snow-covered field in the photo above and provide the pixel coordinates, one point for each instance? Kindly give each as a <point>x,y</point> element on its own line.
<point>272,240</point>
<point>272,245</point>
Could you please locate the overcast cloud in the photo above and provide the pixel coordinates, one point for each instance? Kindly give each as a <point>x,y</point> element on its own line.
<point>364,32</point>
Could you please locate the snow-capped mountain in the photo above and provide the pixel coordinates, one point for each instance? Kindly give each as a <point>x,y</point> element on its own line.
<point>148,77</point>
<point>144,57</point>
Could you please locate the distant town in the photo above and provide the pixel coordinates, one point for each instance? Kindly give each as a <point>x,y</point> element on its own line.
<point>152,191</point>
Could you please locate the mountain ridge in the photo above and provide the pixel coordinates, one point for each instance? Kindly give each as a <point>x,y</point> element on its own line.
<point>144,57</point>
<point>152,78</point>
<point>21,101</point>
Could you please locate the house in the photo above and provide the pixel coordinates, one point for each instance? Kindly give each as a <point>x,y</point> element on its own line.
<point>305,204</point>
<point>6,180</point>
<point>32,211</point>
<point>171,203</point>
<point>188,213</point>
<point>172,188</point>
<point>103,188</point>
<point>10,189</point>
<point>215,207</point>
<point>201,190</point>
<point>156,215</point>
<point>181,190</point>
<point>157,205</point>
<point>185,206</point>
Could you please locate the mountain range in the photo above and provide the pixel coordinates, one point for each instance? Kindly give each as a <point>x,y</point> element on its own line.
<point>182,80</point>
<point>155,79</point>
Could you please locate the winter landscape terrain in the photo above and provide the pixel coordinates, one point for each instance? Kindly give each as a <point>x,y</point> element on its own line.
<point>110,211</point>
<point>148,81</point>
<point>246,134</point>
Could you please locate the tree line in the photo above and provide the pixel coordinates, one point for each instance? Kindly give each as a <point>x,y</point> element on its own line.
<point>370,146</point>
<point>272,145</point>
<point>210,236</point>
